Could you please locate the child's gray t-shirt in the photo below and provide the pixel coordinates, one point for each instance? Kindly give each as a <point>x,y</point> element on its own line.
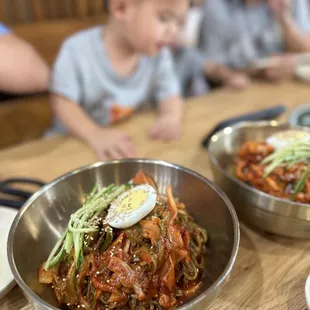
<point>83,74</point>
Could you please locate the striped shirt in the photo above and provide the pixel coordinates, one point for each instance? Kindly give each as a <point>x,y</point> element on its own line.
<point>236,35</point>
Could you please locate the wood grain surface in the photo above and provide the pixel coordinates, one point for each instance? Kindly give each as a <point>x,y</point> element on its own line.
<point>15,12</point>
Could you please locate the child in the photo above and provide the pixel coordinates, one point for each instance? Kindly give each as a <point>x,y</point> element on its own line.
<point>105,73</point>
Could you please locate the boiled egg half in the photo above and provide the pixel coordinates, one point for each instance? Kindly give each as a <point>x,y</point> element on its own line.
<point>285,138</point>
<point>132,206</point>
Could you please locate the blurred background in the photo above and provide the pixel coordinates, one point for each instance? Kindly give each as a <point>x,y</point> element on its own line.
<point>14,12</point>
<point>44,24</point>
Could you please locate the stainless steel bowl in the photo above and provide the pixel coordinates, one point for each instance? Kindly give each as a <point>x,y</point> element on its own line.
<point>45,216</point>
<point>262,210</point>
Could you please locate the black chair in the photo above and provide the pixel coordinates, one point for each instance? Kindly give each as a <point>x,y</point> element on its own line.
<point>17,197</point>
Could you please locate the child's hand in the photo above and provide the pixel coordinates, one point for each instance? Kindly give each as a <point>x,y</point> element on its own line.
<point>237,81</point>
<point>167,128</point>
<point>112,144</point>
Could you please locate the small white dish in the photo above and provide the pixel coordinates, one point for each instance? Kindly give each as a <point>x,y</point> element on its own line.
<point>303,72</point>
<point>307,292</point>
<point>7,216</point>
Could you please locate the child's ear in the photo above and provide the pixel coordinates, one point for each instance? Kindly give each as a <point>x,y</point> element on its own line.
<point>118,8</point>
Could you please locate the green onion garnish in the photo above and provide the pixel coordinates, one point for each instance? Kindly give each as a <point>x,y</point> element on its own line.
<point>81,222</point>
<point>287,157</point>
<point>302,181</point>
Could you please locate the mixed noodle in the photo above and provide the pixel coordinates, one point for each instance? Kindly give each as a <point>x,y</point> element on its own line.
<point>284,173</point>
<point>156,264</point>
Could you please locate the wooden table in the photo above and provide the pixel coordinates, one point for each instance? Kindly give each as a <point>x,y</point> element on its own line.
<point>270,271</point>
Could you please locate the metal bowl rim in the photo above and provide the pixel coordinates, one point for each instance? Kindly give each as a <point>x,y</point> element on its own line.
<point>242,184</point>
<point>225,274</point>
<point>307,291</point>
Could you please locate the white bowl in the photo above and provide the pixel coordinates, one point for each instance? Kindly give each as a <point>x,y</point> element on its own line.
<point>307,292</point>
<point>7,282</point>
<point>303,72</point>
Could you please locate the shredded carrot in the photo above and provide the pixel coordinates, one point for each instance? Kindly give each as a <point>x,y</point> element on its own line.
<point>172,205</point>
<point>151,230</point>
<point>143,178</point>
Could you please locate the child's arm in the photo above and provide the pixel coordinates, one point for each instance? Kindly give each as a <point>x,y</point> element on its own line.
<point>74,118</point>
<point>169,121</point>
<point>106,142</point>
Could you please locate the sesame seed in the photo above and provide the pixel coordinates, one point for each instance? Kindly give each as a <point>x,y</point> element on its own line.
<point>64,279</point>
<point>68,304</point>
<point>108,281</point>
<point>97,272</point>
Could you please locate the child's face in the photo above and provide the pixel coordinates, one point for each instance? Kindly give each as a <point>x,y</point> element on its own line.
<point>153,24</point>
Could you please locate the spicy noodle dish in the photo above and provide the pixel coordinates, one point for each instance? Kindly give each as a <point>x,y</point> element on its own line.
<point>127,247</point>
<point>279,166</point>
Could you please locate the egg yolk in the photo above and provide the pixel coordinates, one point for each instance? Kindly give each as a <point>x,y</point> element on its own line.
<point>132,201</point>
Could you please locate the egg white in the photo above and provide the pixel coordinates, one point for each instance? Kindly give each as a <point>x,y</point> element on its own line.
<point>122,215</point>
<point>285,138</point>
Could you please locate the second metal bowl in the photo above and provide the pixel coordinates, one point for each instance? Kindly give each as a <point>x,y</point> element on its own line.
<point>262,210</point>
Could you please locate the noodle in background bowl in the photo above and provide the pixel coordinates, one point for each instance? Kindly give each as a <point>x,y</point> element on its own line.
<point>269,213</point>
<point>45,216</point>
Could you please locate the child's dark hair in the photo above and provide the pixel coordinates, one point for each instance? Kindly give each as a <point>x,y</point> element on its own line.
<point>106,5</point>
